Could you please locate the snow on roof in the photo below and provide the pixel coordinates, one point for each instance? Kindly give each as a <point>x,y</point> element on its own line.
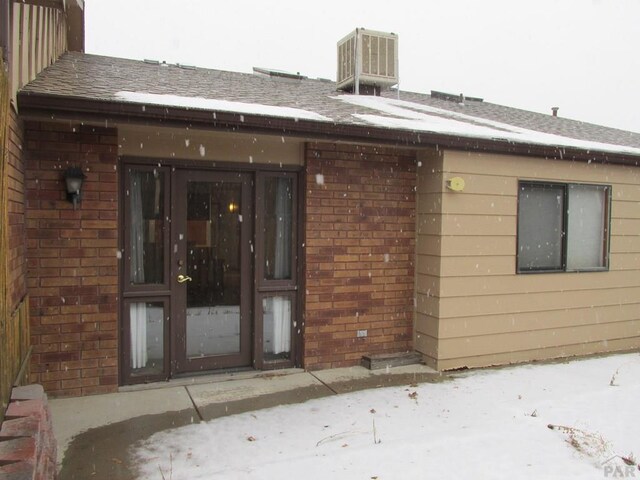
<point>418,117</point>
<point>90,78</point>
<point>219,105</point>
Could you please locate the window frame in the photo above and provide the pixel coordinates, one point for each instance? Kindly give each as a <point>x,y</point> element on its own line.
<point>606,252</point>
<point>141,289</point>
<point>271,287</point>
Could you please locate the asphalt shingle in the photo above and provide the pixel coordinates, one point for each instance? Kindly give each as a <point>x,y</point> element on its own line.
<point>93,77</point>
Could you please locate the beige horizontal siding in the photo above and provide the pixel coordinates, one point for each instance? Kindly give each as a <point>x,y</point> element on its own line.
<point>624,226</point>
<point>509,166</point>
<point>625,209</point>
<point>625,261</point>
<point>427,324</point>
<point>427,304</point>
<point>459,245</point>
<point>536,302</point>
<point>466,225</point>
<point>428,247</point>
<point>469,299</point>
<point>430,203</point>
<point>505,358</point>
<point>474,266</point>
<point>500,205</point>
<point>535,283</point>
<point>624,244</point>
<point>427,345</point>
<point>537,339</point>
<point>461,327</point>
<point>426,284</point>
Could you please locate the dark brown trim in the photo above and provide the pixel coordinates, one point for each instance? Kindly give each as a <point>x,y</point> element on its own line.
<point>265,288</point>
<point>263,284</point>
<point>260,362</point>
<point>293,289</point>
<point>126,376</point>
<point>143,290</point>
<point>301,263</point>
<point>73,108</point>
<point>209,165</point>
<point>180,362</point>
<point>606,228</point>
<point>132,293</point>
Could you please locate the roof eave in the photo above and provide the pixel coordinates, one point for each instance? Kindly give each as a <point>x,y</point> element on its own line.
<point>56,107</point>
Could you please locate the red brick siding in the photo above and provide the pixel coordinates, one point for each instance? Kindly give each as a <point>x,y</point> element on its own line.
<point>72,277</point>
<point>359,252</point>
<point>16,258</point>
<point>28,448</point>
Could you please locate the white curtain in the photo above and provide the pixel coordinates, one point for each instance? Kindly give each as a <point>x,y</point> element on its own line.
<point>281,325</point>
<point>586,229</point>
<point>282,267</point>
<point>138,311</point>
<point>138,321</point>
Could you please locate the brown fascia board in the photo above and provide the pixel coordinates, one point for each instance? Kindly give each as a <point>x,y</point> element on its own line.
<point>63,108</point>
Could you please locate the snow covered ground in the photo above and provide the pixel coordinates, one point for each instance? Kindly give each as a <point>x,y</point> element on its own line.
<point>484,424</point>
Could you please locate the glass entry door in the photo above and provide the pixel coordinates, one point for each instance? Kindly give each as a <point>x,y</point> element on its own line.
<point>211,271</point>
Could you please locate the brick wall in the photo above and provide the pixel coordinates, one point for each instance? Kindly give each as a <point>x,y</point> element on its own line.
<point>27,443</point>
<point>72,264</point>
<point>359,248</point>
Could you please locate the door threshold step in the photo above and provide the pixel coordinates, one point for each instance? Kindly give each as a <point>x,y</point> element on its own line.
<point>384,360</point>
<point>184,381</point>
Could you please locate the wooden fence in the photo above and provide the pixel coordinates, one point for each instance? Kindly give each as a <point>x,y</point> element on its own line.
<point>14,324</point>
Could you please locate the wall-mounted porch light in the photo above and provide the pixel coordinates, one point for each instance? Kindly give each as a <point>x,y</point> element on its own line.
<point>73,177</point>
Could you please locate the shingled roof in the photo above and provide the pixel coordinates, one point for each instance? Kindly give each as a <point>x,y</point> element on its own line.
<point>97,87</point>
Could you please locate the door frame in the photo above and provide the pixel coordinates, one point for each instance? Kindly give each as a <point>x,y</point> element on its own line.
<point>264,288</point>
<point>156,293</point>
<point>171,165</point>
<point>180,362</point>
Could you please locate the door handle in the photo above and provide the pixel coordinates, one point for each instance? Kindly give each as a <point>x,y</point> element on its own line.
<point>184,278</point>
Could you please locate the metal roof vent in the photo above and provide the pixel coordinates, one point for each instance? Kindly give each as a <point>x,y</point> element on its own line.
<point>367,61</point>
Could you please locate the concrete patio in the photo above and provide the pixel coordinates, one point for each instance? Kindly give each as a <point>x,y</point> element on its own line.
<point>94,433</point>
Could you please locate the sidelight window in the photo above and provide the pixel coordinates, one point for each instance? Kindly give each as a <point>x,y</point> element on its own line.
<point>276,275</point>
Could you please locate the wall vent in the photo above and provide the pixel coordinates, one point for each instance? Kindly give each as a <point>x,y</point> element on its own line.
<point>367,58</point>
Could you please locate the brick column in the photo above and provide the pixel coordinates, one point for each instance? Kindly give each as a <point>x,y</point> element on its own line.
<point>27,444</point>
<point>72,276</point>
<point>359,252</point>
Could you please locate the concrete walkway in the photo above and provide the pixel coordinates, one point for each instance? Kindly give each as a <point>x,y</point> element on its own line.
<point>95,433</point>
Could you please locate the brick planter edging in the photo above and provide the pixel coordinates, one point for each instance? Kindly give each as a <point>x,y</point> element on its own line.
<point>27,444</point>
